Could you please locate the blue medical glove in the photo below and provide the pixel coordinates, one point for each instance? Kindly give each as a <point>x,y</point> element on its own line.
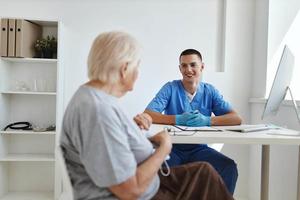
<point>183,118</point>
<point>199,120</point>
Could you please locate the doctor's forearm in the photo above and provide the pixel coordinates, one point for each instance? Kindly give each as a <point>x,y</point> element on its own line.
<point>158,118</point>
<point>227,119</point>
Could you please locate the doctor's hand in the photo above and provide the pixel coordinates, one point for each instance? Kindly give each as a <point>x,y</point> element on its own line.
<point>184,118</point>
<point>199,120</point>
<point>143,120</point>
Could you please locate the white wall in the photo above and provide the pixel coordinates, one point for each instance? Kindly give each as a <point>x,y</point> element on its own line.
<point>284,28</point>
<point>164,28</point>
<point>282,15</point>
<point>273,19</point>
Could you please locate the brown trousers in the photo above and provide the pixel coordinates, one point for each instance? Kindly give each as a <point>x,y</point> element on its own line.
<point>193,181</point>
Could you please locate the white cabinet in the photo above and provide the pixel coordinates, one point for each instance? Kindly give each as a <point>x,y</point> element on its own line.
<point>31,91</point>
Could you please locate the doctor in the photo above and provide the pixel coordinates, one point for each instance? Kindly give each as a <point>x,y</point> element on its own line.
<point>190,102</point>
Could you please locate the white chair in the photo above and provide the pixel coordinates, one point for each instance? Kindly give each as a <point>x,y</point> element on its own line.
<point>67,191</point>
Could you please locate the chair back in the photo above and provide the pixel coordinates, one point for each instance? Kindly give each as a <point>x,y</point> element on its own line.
<point>67,191</point>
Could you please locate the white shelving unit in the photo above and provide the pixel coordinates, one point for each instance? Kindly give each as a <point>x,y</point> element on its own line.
<point>28,196</point>
<point>30,60</point>
<point>28,132</point>
<point>27,157</point>
<point>31,90</point>
<point>28,92</point>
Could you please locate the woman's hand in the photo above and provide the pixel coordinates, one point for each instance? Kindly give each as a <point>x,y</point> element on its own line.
<point>162,140</point>
<point>143,120</point>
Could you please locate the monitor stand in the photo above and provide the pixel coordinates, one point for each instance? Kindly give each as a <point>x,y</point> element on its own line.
<point>296,132</point>
<point>294,103</point>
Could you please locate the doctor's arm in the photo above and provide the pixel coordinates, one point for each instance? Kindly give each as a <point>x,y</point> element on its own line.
<point>231,118</point>
<point>158,118</point>
<point>180,119</point>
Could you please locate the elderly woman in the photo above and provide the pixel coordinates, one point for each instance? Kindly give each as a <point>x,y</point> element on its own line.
<point>106,153</point>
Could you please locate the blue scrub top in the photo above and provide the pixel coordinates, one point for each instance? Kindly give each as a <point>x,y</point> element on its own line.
<point>172,100</point>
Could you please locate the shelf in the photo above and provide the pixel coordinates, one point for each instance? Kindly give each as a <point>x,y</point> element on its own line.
<point>22,132</point>
<point>28,196</point>
<point>28,93</point>
<point>27,157</point>
<point>30,60</point>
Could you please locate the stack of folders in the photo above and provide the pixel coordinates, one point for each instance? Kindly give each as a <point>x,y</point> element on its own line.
<point>18,37</point>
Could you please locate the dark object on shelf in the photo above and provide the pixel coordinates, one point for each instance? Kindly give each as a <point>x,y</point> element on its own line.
<point>47,53</point>
<point>51,128</point>
<point>46,47</point>
<point>43,129</point>
<point>19,126</point>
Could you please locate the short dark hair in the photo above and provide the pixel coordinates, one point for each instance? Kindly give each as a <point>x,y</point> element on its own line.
<point>190,52</point>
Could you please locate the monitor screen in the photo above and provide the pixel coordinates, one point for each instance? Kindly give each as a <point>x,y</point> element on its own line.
<point>281,82</point>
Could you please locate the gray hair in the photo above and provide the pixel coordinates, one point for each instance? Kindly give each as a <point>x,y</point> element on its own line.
<point>109,51</point>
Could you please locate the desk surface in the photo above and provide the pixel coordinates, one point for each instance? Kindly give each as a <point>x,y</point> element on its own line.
<point>229,137</point>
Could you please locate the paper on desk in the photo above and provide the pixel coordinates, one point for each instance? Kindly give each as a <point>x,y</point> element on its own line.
<point>200,128</point>
<point>284,132</point>
<point>246,127</point>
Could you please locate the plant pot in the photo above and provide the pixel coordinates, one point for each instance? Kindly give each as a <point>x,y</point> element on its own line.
<point>38,54</point>
<point>47,53</point>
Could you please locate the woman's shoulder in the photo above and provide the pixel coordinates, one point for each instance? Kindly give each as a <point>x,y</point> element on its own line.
<point>88,99</point>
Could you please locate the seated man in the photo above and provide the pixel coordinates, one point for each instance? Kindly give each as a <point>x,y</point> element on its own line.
<point>191,102</point>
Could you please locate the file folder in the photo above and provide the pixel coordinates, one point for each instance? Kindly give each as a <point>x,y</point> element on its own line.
<point>4,37</point>
<point>11,38</point>
<point>26,35</point>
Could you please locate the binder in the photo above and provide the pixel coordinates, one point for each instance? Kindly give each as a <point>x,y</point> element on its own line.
<point>11,37</point>
<point>26,35</point>
<point>4,37</point>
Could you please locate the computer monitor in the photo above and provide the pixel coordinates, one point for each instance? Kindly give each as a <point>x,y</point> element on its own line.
<point>281,83</point>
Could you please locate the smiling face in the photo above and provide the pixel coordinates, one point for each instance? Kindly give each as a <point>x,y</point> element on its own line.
<point>191,68</point>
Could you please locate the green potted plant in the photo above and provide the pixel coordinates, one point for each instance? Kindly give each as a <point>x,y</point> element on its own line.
<point>38,46</point>
<point>46,47</point>
<point>53,46</point>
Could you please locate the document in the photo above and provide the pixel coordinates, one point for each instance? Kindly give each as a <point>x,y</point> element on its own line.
<point>244,128</point>
<point>200,128</point>
<point>285,132</point>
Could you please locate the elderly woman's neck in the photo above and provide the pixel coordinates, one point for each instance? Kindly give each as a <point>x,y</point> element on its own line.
<point>112,89</point>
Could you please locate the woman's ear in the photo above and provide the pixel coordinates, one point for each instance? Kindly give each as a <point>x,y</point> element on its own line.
<point>123,70</point>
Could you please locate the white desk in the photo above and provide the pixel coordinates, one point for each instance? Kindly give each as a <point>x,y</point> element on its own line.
<point>265,138</point>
